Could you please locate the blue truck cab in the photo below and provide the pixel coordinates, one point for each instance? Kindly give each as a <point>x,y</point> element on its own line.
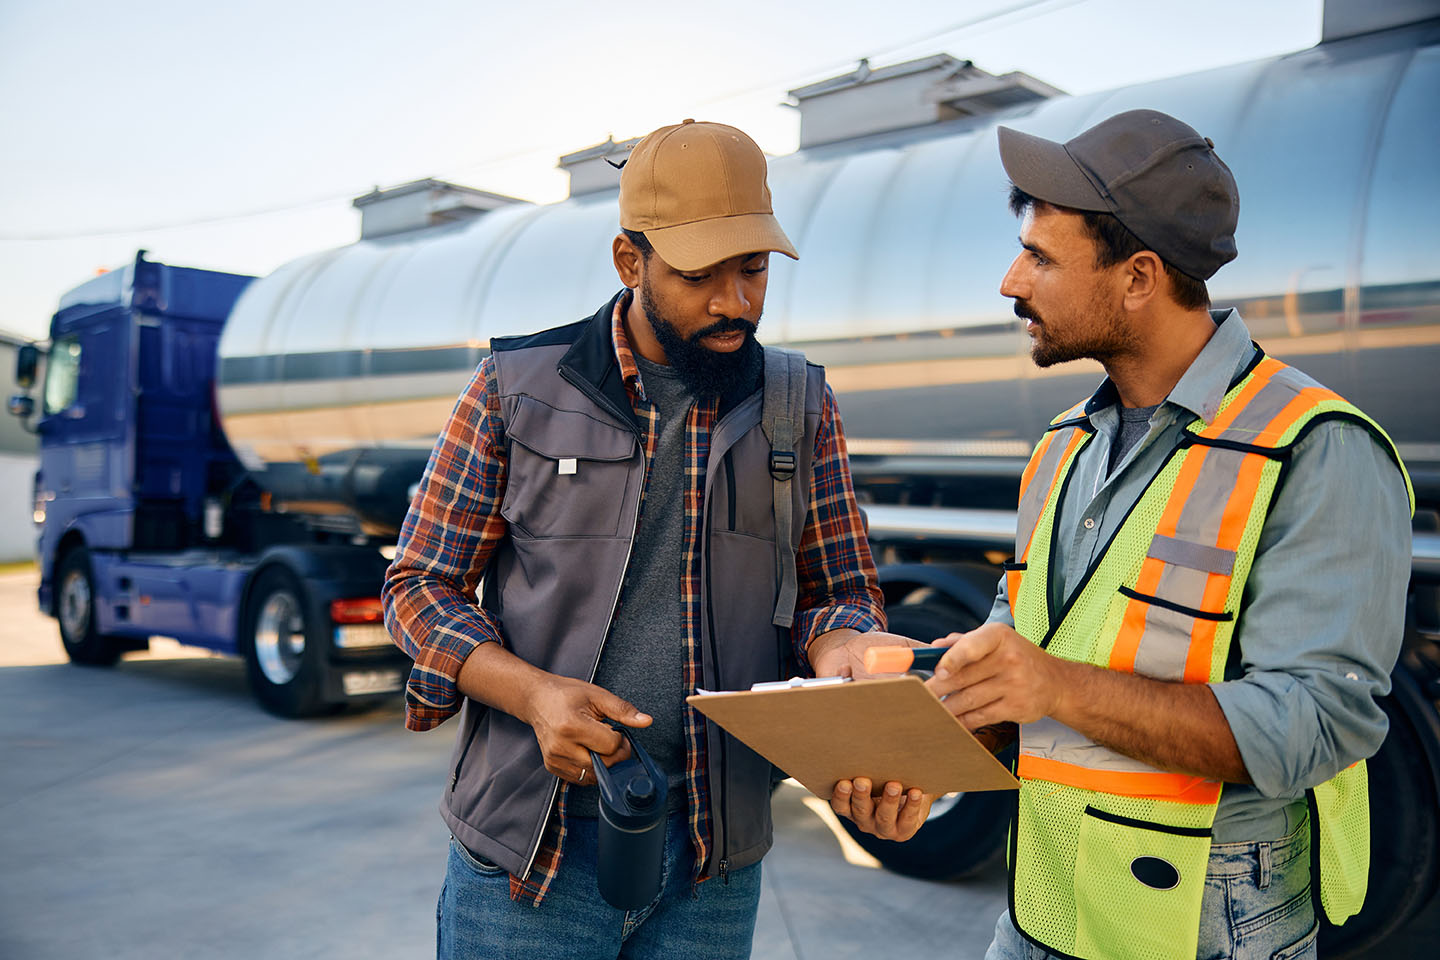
<point>149,525</point>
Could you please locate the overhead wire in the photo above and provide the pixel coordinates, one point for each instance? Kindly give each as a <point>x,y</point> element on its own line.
<point>1030,9</point>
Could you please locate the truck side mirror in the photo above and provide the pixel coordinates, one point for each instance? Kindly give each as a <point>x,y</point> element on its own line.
<point>22,406</point>
<point>26,359</point>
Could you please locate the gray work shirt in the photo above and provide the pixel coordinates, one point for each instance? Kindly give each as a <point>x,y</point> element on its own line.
<point>1323,612</point>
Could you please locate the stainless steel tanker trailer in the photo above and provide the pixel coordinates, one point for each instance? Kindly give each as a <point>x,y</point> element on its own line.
<point>336,371</point>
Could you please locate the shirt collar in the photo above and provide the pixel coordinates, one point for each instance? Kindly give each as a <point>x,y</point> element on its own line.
<point>1207,379</point>
<point>624,355</point>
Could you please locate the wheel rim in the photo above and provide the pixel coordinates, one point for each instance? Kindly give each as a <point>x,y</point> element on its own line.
<point>944,805</point>
<point>75,606</point>
<point>280,637</point>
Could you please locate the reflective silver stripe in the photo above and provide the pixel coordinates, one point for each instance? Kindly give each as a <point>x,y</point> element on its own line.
<point>1183,585</point>
<point>1052,740</point>
<point>1042,481</point>
<point>1165,643</point>
<point>1265,406</point>
<point>1196,556</point>
<point>1164,646</point>
<point>1204,508</point>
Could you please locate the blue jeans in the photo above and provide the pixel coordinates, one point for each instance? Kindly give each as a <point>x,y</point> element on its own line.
<point>1256,905</point>
<point>477,920</point>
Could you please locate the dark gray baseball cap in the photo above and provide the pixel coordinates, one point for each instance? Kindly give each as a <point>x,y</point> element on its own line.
<point>1154,173</point>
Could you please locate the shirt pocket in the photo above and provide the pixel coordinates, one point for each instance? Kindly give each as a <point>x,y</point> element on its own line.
<point>570,474</point>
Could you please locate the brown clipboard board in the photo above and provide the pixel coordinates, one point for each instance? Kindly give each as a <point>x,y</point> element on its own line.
<point>885,729</point>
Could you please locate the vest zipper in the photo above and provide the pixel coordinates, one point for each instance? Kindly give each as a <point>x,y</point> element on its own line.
<point>722,793</point>
<point>455,774</point>
<point>730,485</point>
<point>586,388</point>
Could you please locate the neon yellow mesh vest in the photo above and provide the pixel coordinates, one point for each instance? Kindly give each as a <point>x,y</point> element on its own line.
<point>1108,854</point>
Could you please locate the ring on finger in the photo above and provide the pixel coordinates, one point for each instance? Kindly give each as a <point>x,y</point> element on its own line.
<point>582,776</point>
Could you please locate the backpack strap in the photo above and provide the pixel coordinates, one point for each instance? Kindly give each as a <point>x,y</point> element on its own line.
<point>782,418</point>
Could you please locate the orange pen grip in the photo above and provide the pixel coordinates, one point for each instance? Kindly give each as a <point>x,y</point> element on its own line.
<point>888,659</point>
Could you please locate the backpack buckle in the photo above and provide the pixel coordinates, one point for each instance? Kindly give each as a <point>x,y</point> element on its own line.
<point>782,464</point>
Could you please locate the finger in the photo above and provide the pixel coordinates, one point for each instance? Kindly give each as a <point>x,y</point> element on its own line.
<point>887,809</point>
<point>912,814</point>
<point>567,768</point>
<point>987,694</point>
<point>972,674</point>
<point>967,648</point>
<point>862,808</point>
<point>948,640</point>
<point>620,710</point>
<point>944,686</point>
<point>840,798</point>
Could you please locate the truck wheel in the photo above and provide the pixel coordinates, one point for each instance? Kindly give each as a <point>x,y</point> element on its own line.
<point>965,832</point>
<point>284,655</point>
<point>75,612</point>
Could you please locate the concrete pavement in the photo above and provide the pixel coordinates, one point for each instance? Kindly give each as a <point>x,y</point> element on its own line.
<point>154,810</point>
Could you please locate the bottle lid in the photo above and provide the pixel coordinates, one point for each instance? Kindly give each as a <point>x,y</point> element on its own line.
<point>640,792</point>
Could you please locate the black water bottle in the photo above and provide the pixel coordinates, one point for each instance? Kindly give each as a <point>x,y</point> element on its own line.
<point>632,828</point>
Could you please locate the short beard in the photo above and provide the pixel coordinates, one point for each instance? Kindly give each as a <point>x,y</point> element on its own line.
<point>707,373</point>
<point>1108,339</point>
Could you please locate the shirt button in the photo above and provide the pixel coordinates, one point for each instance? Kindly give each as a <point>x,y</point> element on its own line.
<point>1089,523</point>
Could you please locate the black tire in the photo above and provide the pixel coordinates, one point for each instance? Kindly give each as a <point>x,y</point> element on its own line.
<point>965,833</point>
<point>284,651</point>
<point>75,612</point>
<point>1404,837</point>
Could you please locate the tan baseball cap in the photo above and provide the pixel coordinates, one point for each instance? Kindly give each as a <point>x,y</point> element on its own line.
<point>698,193</point>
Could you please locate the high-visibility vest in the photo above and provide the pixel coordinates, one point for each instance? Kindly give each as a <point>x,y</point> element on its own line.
<point>1108,854</point>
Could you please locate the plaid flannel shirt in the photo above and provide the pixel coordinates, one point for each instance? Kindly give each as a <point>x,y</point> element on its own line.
<point>454,525</point>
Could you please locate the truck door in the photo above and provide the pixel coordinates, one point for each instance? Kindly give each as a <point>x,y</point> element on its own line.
<point>84,424</point>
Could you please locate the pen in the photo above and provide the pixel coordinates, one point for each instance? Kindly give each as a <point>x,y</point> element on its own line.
<point>902,659</point>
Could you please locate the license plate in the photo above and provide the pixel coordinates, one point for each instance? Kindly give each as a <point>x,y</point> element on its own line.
<point>361,635</point>
<point>361,682</point>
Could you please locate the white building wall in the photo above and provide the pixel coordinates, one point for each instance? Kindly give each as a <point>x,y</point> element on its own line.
<point>17,527</point>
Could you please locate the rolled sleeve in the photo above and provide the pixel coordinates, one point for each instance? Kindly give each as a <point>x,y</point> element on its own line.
<point>450,531</point>
<point>1000,609</point>
<point>838,585</point>
<point>1323,617</point>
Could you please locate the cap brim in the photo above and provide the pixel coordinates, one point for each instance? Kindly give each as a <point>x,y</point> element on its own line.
<point>1045,170</point>
<point>690,246</point>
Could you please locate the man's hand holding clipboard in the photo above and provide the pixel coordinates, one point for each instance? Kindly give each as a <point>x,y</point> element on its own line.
<point>904,748</point>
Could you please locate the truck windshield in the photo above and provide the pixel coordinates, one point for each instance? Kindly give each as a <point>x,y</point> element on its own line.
<point>62,374</point>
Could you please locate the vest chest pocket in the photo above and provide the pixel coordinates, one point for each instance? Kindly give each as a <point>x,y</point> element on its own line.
<point>1138,887</point>
<point>1168,621</point>
<point>570,474</point>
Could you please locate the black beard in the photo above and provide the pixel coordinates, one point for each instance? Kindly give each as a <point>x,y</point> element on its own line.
<point>1046,351</point>
<point>707,373</point>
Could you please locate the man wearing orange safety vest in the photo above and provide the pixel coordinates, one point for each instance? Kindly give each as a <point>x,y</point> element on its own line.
<point>1208,588</point>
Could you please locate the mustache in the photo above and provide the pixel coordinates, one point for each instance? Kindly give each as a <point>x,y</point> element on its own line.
<point>723,325</point>
<point>1024,311</point>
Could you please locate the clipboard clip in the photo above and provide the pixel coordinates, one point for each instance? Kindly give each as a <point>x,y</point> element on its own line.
<point>800,682</point>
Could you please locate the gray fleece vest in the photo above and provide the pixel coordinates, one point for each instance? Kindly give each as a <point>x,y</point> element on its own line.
<point>554,581</point>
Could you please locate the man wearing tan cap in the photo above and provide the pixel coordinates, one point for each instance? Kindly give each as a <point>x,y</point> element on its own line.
<point>613,483</point>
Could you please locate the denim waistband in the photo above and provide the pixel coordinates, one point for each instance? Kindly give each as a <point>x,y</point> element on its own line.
<point>1240,859</point>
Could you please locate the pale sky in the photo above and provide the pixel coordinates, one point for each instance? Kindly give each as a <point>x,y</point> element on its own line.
<point>234,136</point>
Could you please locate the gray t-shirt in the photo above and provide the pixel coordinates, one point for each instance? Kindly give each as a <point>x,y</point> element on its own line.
<point>1134,424</point>
<point>644,656</point>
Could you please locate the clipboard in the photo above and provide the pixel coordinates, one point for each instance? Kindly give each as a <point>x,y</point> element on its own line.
<point>885,729</point>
